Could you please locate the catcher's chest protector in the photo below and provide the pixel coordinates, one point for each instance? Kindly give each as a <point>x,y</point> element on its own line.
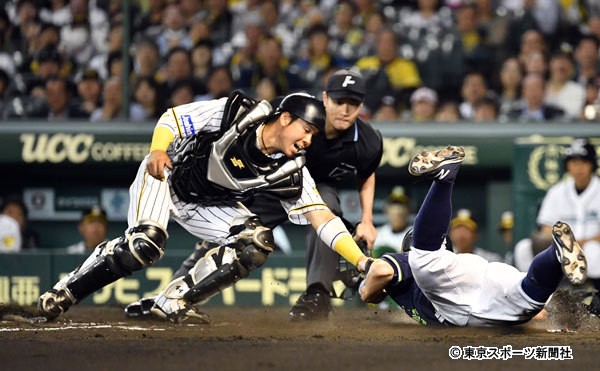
<point>225,166</point>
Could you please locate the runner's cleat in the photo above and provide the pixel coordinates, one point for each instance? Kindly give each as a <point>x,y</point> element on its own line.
<point>442,164</point>
<point>569,253</point>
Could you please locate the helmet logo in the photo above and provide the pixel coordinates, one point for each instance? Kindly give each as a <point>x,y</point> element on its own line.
<point>348,81</point>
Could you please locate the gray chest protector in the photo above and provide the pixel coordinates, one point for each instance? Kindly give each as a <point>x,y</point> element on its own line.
<point>225,166</point>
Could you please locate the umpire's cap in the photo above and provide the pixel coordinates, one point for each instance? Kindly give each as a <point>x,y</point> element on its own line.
<point>581,148</point>
<point>304,106</point>
<point>347,84</point>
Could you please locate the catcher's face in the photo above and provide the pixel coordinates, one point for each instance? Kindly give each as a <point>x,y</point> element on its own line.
<point>341,114</point>
<point>295,135</point>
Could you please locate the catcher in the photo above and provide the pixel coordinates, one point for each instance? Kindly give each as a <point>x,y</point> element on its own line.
<point>435,286</point>
<point>206,159</point>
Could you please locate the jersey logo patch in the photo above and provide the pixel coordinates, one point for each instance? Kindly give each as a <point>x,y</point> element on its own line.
<point>188,124</point>
<point>237,162</point>
<point>348,81</point>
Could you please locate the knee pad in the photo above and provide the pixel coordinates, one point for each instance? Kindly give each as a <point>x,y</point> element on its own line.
<point>252,232</point>
<point>142,246</point>
<point>251,257</point>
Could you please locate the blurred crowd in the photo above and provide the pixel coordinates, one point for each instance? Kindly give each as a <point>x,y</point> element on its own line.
<point>424,60</point>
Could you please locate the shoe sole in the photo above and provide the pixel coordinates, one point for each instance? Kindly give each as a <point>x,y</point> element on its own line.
<point>190,316</point>
<point>427,162</point>
<point>571,256</point>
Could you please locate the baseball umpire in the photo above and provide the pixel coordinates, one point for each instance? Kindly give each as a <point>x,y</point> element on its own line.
<point>435,286</point>
<point>205,159</point>
<point>348,151</point>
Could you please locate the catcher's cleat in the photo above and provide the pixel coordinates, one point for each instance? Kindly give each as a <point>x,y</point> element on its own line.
<point>311,305</point>
<point>569,253</point>
<point>140,309</point>
<point>53,303</point>
<point>442,164</point>
<point>187,312</point>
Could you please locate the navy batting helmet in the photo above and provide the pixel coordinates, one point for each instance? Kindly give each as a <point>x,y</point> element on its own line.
<point>581,148</point>
<point>304,106</point>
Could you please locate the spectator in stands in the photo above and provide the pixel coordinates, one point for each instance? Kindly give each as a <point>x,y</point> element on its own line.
<point>93,227</point>
<point>535,62</point>
<point>147,98</point>
<point>315,60</point>
<point>270,64</point>
<point>25,22</point>
<point>56,12</point>
<point>86,33</point>
<point>246,44</point>
<point>149,24</point>
<point>114,47</point>
<point>532,107</point>
<point>448,112</point>
<point>345,37</point>
<point>397,212</point>
<point>473,89</point>
<point>181,93</point>
<point>173,33</point>
<point>486,109</point>
<point>178,68</point>
<point>58,97</point>
<point>89,89</point>
<point>591,108</point>
<point>49,35</point>
<point>266,90</point>
<point>14,207</point>
<point>593,25</point>
<point>219,84</point>
<point>112,104</point>
<point>146,58</point>
<point>269,11</point>
<point>425,18</point>
<point>219,20</point>
<point>423,105</point>
<point>477,56</point>
<point>587,59</point>
<point>511,76</point>
<point>387,74</point>
<point>531,41</point>
<point>463,233</point>
<point>375,23</point>
<point>561,91</point>
<point>202,60</point>
<point>191,10</point>
<point>388,110</point>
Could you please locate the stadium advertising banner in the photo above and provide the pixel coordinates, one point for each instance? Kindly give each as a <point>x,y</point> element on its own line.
<point>23,277</point>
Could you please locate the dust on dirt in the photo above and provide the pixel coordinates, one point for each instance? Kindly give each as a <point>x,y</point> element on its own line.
<point>363,338</point>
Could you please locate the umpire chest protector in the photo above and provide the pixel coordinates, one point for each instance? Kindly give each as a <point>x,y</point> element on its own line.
<point>226,166</point>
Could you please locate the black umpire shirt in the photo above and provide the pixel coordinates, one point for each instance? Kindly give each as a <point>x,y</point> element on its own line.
<point>355,153</point>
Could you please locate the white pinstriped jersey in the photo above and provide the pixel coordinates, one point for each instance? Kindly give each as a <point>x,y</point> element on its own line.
<point>151,199</point>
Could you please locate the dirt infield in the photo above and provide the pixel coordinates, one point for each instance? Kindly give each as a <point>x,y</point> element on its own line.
<point>264,339</point>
